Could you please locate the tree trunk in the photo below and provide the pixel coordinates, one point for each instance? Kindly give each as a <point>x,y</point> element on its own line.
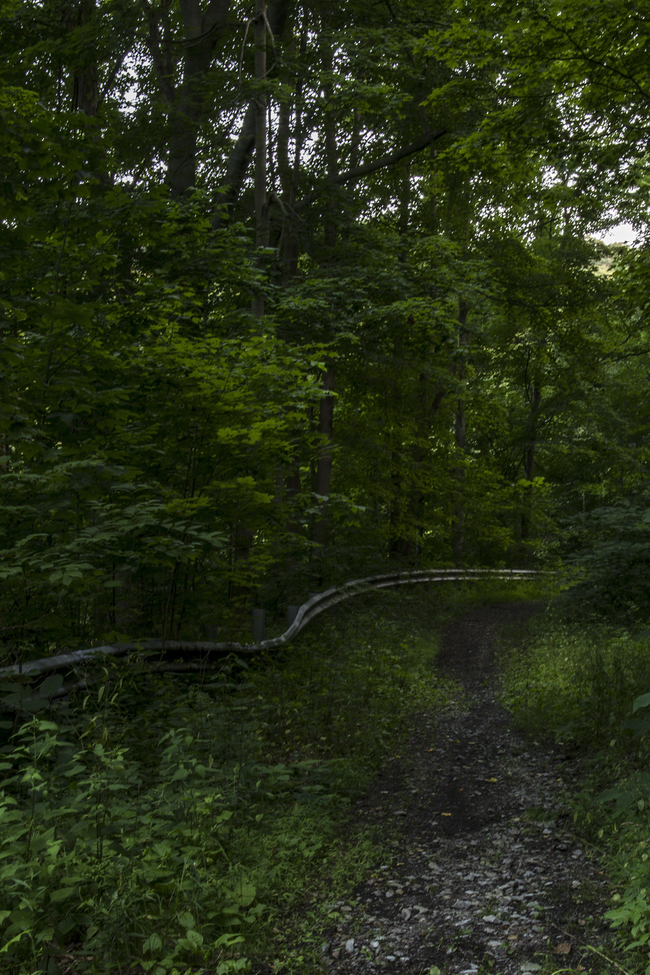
<point>322,484</point>
<point>161,47</point>
<point>289,169</point>
<point>202,36</point>
<point>242,154</point>
<point>460,433</point>
<point>85,93</point>
<point>534,395</point>
<point>261,105</point>
<point>289,480</point>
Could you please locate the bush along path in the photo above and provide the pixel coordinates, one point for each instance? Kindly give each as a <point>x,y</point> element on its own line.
<point>487,876</point>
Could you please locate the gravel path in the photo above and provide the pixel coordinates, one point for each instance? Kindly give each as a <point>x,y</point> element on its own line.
<point>487,875</point>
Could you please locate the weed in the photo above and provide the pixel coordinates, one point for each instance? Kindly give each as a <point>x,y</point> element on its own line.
<point>584,688</point>
<point>180,825</point>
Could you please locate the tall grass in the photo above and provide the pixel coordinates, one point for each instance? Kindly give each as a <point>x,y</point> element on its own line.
<point>576,684</point>
<point>587,688</point>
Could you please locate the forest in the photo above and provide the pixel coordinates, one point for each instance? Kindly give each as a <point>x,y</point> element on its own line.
<point>287,294</point>
<point>293,293</point>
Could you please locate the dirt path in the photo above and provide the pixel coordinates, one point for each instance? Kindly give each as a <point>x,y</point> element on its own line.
<point>487,876</point>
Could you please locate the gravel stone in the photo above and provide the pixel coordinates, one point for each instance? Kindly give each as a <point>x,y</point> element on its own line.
<point>476,883</point>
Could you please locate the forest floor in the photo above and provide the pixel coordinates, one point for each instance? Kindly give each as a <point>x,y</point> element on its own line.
<point>487,876</point>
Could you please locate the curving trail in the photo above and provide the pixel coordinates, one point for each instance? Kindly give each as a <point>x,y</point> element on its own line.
<point>487,875</point>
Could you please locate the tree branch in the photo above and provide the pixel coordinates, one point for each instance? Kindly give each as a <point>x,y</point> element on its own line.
<point>384,162</point>
<point>242,152</point>
<point>388,160</point>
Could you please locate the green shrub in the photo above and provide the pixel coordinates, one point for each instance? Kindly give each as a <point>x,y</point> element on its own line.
<point>613,560</point>
<point>583,686</point>
<point>169,821</point>
<point>576,684</point>
<point>96,851</point>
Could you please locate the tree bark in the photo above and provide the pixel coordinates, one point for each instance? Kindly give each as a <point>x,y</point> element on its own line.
<point>322,485</point>
<point>289,169</point>
<point>261,105</point>
<point>160,48</point>
<point>460,433</point>
<point>202,36</point>
<point>240,158</point>
<point>85,80</point>
<point>534,396</point>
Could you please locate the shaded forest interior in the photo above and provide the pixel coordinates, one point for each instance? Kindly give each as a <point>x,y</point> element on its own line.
<point>290,292</point>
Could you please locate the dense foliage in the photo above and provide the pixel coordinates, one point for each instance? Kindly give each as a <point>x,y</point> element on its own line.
<point>581,688</point>
<point>169,824</point>
<point>289,292</point>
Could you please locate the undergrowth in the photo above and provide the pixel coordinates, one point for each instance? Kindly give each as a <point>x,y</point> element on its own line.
<point>589,689</point>
<point>173,824</point>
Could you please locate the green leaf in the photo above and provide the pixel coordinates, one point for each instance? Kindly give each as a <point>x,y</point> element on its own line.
<point>49,687</point>
<point>186,920</point>
<point>63,894</point>
<point>641,702</point>
<point>194,939</point>
<point>153,943</point>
